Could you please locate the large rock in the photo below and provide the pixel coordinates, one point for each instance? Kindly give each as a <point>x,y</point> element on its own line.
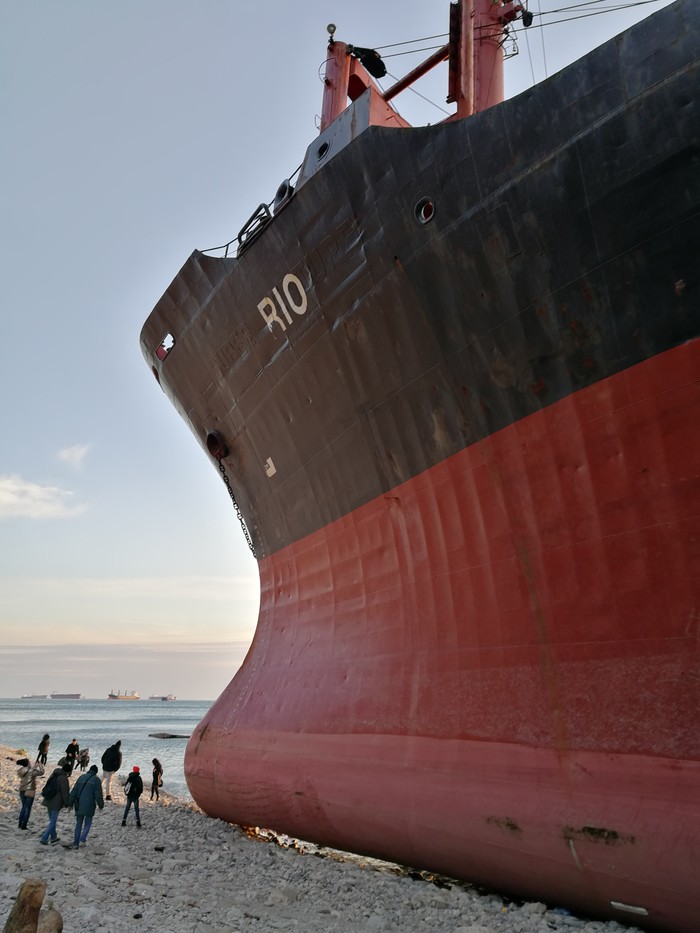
<point>26,915</point>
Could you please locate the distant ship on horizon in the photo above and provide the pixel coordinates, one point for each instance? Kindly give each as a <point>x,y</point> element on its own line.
<point>34,696</point>
<point>64,696</point>
<point>124,695</point>
<point>170,696</point>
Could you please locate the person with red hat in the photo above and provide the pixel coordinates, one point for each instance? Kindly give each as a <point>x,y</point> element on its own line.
<point>133,788</point>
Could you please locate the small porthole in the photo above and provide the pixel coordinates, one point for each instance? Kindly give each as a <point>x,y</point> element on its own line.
<point>424,211</point>
<point>322,151</point>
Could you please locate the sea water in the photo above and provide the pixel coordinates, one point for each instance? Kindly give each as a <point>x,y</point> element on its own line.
<point>97,724</point>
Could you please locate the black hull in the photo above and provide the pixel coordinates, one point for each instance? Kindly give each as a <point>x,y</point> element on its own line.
<point>563,250</point>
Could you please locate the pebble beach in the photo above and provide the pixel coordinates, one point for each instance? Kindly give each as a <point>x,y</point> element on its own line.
<point>184,872</point>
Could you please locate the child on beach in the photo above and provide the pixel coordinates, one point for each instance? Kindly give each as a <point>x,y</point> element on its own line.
<point>27,775</point>
<point>133,788</point>
<point>157,778</point>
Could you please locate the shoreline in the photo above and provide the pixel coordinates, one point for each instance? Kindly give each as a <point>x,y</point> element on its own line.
<point>97,724</point>
<point>184,872</point>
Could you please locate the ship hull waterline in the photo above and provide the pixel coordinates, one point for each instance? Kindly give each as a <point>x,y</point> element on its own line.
<point>544,784</point>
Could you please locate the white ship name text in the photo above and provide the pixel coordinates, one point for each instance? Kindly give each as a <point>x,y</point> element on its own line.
<point>296,300</point>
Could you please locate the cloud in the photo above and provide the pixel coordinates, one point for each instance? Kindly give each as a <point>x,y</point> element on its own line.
<point>21,499</point>
<point>74,455</point>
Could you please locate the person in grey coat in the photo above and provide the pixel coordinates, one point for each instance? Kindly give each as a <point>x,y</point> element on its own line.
<point>56,803</point>
<point>86,796</point>
<point>27,775</point>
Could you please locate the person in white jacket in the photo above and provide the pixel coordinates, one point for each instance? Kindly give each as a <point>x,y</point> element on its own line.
<point>27,775</point>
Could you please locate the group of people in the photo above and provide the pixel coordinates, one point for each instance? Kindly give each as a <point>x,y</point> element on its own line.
<point>74,755</point>
<point>86,795</point>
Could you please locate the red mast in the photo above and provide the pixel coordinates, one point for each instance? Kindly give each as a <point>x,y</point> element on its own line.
<point>477,32</point>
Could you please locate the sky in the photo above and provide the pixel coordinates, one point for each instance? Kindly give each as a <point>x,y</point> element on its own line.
<point>133,133</point>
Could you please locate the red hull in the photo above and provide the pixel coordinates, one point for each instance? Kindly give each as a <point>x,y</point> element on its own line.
<point>515,628</point>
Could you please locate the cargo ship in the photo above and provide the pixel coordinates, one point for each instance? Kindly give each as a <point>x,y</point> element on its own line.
<point>123,695</point>
<point>449,378</point>
<point>166,699</point>
<point>66,696</point>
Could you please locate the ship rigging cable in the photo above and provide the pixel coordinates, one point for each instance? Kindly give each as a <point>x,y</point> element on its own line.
<point>617,8</point>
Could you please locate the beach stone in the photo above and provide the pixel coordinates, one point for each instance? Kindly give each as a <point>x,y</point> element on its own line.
<point>88,888</point>
<point>440,905</point>
<point>144,890</point>
<point>70,899</point>
<point>90,915</point>
<point>50,921</point>
<point>284,895</point>
<point>185,900</point>
<point>533,908</point>
<point>25,910</point>
<point>375,922</point>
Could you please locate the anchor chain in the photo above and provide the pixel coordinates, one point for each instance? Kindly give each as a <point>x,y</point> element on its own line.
<point>227,484</point>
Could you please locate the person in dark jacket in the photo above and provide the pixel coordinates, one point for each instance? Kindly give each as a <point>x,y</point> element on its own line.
<point>157,777</point>
<point>111,763</point>
<point>27,775</point>
<point>72,752</point>
<point>56,803</point>
<point>86,795</point>
<point>133,788</point>
<point>44,748</point>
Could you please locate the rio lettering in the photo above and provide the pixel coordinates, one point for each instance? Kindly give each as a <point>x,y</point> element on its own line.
<point>278,308</point>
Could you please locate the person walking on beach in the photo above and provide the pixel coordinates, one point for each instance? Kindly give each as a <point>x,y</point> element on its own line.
<point>55,802</point>
<point>111,763</point>
<point>72,752</point>
<point>133,790</point>
<point>157,778</point>
<point>44,748</point>
<point>86,796</point>
<point>27,775</point>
